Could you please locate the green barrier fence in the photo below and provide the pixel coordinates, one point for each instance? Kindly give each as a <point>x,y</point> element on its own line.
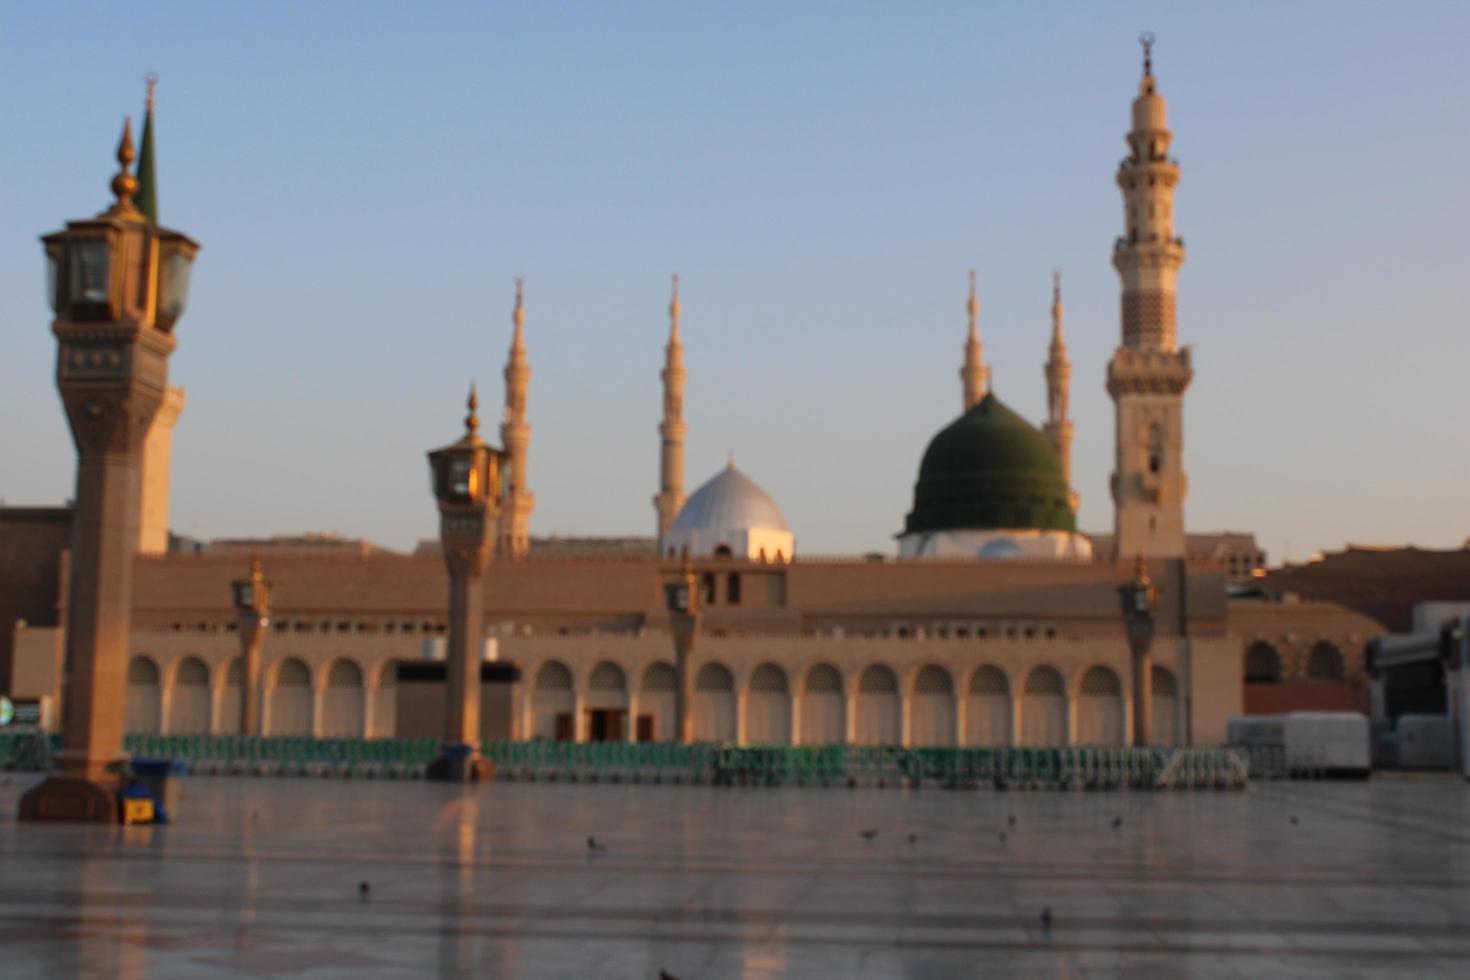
<point>659,762</point>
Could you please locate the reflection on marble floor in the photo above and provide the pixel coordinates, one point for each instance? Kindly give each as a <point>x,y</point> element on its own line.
<point>261,879</point>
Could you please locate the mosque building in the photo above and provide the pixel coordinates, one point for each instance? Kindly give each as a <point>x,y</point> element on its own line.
<point>995,623</point>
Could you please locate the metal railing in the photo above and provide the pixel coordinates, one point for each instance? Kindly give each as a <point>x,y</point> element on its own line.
<point>702,763</point>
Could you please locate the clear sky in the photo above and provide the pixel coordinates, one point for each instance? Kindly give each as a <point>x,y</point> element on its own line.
<point>367,179</point>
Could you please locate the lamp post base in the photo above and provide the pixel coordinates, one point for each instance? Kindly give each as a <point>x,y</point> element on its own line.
<point>460,763</point>
<point>74,799</point>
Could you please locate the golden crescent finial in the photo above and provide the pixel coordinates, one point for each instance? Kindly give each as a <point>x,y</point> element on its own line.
<point>973,304</point>
<point>150,80</point>
<point>1147,39</point>
<point>125,185</point>
<point>676,308</point>
<point>519,316</point>
<point>471,420</point>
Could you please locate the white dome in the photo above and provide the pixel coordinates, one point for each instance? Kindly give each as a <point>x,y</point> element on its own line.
<point>730,515</point>
<point>730,502</point>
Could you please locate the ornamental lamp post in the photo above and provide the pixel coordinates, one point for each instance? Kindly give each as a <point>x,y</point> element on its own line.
<point>466,481</point>
<point>1140,601</point>
<point>252,617</point>
<point>117,285</point>
<point>681,598</point>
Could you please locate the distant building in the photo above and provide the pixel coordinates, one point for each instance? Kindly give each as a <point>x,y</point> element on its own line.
<point>1234,551</point>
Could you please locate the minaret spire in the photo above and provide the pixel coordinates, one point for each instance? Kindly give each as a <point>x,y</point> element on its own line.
<point>513,534</point>
<point>1058,371</point>
<point>147,197</point>
<point>974,375</point>
<point>1149,372</point>
<point>672,429</point>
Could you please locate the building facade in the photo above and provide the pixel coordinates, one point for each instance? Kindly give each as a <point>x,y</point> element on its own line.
<point>997,623</point>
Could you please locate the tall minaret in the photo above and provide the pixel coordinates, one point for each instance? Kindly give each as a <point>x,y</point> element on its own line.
<point>1058,426</point>
<point>974,376</point>
<point>1149,372</point>
<point>156,466</point>
<point>672,429</point>
<point>513,535</point>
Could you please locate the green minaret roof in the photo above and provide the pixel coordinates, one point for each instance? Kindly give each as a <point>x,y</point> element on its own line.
<point>146,199</point>
<point>990,469</point>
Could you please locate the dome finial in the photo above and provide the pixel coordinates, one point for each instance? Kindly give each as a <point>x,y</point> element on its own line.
<point>676,308</point>
<point>518,317</point>
<point>973,304</point>
<point>730,460</point>
<point>471,420</point>
<point>151,81</point>
<point>1147,40</point>
<point>125,185</point>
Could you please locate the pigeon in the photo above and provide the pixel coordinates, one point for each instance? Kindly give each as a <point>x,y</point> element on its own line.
<point>1002,836</point>
<point>1294,820</point>
<point>1117,822</point>
<point>913,839</point>
<point>594,846</point>
<point>362,891</point>
<point>666,975</point>
<point>1046,918</point>
<point>867,835</point>
<point>1011,820</point>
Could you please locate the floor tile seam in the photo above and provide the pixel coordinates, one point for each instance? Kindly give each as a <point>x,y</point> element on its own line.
<point>988,871</point>
<point>265,918</point>
<point>1048,943</point>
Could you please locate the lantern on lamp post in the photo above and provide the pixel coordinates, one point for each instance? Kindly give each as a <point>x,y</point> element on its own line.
<point>1140,602</point>
<point>466,480</point>
<point>117,285</point>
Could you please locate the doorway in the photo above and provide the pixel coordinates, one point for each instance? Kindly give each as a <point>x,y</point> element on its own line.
<point>605,724</point>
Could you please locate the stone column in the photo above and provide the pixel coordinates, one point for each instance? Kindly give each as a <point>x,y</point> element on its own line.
<point>1143,697</point>
<point>686,631</point>
<point>463,656</point>
<point>797,697</point>
<point>579,722</point>
<point>252,640</point>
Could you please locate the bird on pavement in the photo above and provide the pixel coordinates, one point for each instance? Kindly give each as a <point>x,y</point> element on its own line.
<point>363,888</point>
<point>867,835</point>
<point>1117,822</point>
<point>1294,820</point>
<point>913,839</point>
<point>666,975</point>
<point>1002,836</point>
<point>1012,820</point>
<point>1046,918</point>
<point>595,846</point>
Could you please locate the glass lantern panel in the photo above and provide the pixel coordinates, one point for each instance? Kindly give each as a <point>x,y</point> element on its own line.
<point>462,478</point>
<point>53,270</point>
<point>173,291</point>
<point>90,261</point>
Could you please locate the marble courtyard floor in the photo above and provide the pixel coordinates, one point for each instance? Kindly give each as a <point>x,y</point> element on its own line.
<point>260,879</point>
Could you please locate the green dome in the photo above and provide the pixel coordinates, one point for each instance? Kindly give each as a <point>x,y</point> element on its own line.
<point>989,469</point>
